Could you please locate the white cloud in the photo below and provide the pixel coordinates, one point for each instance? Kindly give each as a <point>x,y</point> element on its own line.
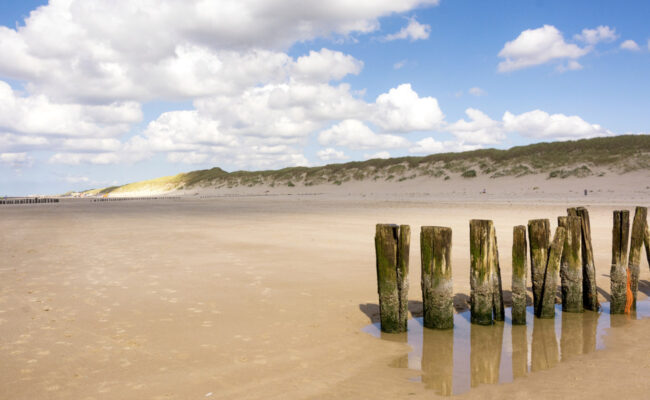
<point>381,154</point>
<point>76,179</point>
<point>16,160</point>
<point>402,110</point>
<point>597,35</point>
<point>648,44</point>
<point>400,64</point>
<point>190,157</point>
<point>184,48</point>
<point>37,115</point>
<point>542,125</point>
<point>476,91</point>
<point>325,65</point>
<point>356,135</point>
<point>572,65</point>
<point>85,158</point>
<point>330,154</point>
<point>413,31</point>
<point>430,145</point>
<point>537,46</point>
<point>630,45</point>
<point>481,129</point>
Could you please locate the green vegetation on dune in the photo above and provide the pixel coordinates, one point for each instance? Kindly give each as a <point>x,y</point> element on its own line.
<point>619,154</point>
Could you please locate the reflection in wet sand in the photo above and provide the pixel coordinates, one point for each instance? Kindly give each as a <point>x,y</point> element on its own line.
<point>454,361</point>
<point>519,351</point>
<point>438,360</point>
<point>485,353</point>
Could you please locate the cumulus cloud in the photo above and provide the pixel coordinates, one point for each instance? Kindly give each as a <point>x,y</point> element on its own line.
<point>403,110</point>
<point>380,154</point>
<point>630,45</point>
<point>430,145</point>
<point>537,46</point>
<point>572,65</point>
<point>16,160</point>
<point>413,31</point>
<point>480,129</point>
<point>330,154</point>
<point>476,91</point>
<point>355,134</point>
<point>597,35</point>
<point>325,65</point>
<point>542,125</point>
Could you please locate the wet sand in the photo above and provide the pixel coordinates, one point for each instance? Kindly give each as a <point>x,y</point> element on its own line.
<point>254,297</point>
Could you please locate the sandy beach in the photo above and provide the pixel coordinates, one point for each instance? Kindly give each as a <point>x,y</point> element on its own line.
<point>264,294</point>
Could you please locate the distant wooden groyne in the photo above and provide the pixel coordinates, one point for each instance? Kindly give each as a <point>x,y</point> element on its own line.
<point>564,259</point>
<point>29,200</point>
<point>104,199</point>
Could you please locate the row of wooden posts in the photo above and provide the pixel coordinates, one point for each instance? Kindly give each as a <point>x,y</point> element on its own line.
<point>135,198</point>
<point>568,253</point>
<point>35,200</point>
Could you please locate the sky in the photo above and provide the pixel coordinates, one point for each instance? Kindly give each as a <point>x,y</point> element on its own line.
<point>97,93</point>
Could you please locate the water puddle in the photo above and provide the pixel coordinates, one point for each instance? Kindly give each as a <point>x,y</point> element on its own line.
<point>454,361</point>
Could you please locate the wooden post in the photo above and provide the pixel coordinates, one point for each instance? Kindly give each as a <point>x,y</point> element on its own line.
<point>571,265</point>
<point>547,302</point>
<point>646,240</point>
<point>539,237</point>
<point>618,272</point>
<point>392,249</point>
<point>636,242</point>
<point>481,275</point>
<point>497,289</point>
<point>519,271</point>
<point>589,288</point>
<point>437,288</point>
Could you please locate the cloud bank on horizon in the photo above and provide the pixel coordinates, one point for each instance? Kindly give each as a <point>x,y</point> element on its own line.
<point>87,86</point>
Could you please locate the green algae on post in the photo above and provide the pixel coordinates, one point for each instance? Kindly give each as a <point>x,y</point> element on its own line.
<point>519,271</point>
<point>571,265</point>
<point>498,307</point>
<point>392,248</point>
<point>437,288</point>
<point>481,275</point>
<point>539,236</point>
<point>547,302</point>
<point>589,288</point>
<point>618,272</point>
<point>636,242</point>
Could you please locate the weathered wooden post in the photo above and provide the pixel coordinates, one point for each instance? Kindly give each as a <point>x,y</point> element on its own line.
<point>547,302</point>
<point>571,265</point>
<point>392,245</point>
<point>437,288</point>
<point>539,238</point>
<point>497,289</point>
<point>636,242</point>
<point>646,240</point>
<point>589,288</point>
<point>481,275</point>
<point>519,271</point>
<point>618,272</point>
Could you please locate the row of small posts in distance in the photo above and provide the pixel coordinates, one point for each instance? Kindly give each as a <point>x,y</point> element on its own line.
<point>568,253</point>
<point>34,200</point>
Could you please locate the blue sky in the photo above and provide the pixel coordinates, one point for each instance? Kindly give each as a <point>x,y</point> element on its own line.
<point>95,93</point>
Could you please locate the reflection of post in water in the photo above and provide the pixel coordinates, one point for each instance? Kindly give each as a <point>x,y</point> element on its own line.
<point>545,352</point>
<point>571,341</point>
<point>402,361</point>
<point>485,356</point>
<point>438,360</point>
<point>589,330</point>
<point>519,351</point>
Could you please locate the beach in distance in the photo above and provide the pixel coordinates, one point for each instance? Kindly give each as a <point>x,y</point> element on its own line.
<point>264,292</point>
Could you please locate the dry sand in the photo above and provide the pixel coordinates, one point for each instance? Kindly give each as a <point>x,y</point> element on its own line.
<point>265,296</point>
